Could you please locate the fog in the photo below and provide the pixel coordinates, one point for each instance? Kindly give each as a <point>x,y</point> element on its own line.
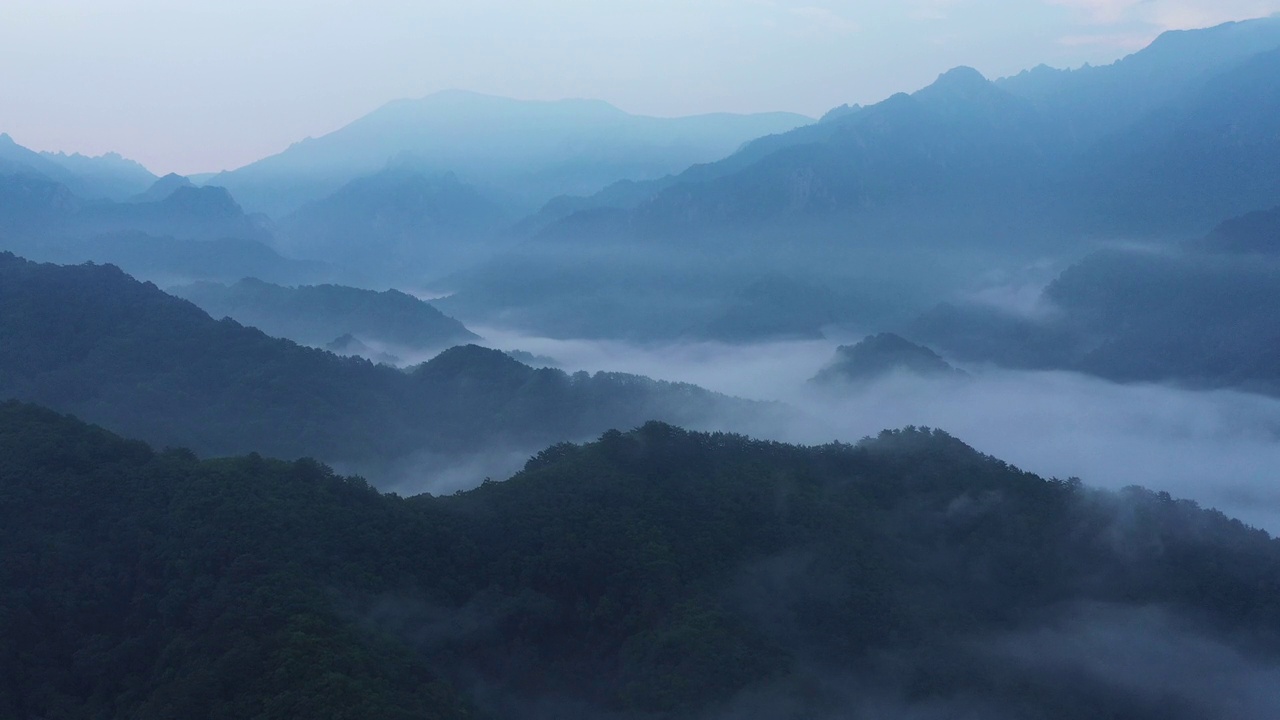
<point>1219,448</point>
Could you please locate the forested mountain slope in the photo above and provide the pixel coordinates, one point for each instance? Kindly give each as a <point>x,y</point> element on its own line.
<point>651,574</point>
<point>91,340</point>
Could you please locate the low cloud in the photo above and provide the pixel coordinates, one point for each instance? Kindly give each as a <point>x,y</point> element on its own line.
<point>1220,448</point>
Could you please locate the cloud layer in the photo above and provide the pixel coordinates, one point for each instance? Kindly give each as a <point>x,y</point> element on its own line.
<point>1219,448</point>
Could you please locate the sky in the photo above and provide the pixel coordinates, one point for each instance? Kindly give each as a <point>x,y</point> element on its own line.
<point>203,85</point>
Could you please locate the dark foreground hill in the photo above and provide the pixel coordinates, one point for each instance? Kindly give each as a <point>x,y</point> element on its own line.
<point>91,340</point>
<point>651,574</point>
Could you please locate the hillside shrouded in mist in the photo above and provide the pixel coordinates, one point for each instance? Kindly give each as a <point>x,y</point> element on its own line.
<point>483,407</point>
<point>657,573</point>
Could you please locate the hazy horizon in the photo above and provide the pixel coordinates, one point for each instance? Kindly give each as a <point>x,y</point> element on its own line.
<point>299,70</point>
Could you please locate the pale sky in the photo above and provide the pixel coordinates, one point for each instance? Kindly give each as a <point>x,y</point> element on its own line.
<point>203,85</point>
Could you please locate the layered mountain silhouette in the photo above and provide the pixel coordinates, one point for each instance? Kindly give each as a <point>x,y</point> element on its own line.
<point>105,177</point>
<point>91,340</point>
<point>655,223</point>
<point>167,229</point>
<point>966,144</point>
<point>36,206</point>
<point>401,223</point>
<point>1092,102</point>
<point>525,151</point>
<point>920,192</point>
<point>164,187</point>
<point>317,315</point>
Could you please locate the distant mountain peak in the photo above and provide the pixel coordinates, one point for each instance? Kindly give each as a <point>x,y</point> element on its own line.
<point>838,113</point>
<point>962,77</point>
<point>958,85</point>
<point>164,187</point>
<point>963,90</point>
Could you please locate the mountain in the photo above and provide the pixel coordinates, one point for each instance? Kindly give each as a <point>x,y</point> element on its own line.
<point>163,188</point>
<point>91,340</point>
<point>883,201</point>
<point>1208,155</point>
<point>654,573</point>
<point>38,207</point>
<point>106,177</point>
<point>1092,102</point>
<point>402,223</point>
<point>977,150</point>
<point>960,139</point>
<point>525,151</point>
<point>916,196</point>
<point>317,314</point>
<point>189,234</point>
<point>951,144</point>
<point>1196,316</point>
<point>187,212</point>
<point>30,201</point>
<point>877,356</point>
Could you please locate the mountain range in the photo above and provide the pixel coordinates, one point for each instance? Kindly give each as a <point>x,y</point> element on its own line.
<point>527,211</point>
<point>523,152</point>
<point>403,223</point>
<point>922,192</point>
<point>106,177</point>
<point>91,340</point>
<point>317,315</point>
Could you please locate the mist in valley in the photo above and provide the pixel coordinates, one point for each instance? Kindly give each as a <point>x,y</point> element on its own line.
<point>1219,447</point>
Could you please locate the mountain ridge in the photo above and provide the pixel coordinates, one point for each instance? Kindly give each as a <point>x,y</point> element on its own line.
<point>520,146</point>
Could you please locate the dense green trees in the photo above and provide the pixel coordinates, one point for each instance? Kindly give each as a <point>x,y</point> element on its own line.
<point>655,573</point>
